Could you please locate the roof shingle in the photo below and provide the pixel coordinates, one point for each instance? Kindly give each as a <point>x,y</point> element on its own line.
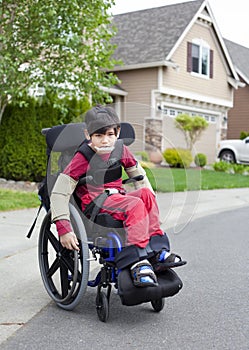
<point>148,36</point>
<point>239,55</point>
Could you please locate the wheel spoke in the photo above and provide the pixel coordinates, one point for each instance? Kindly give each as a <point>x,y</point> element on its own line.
<point>53,240</point>
<point>63,274</point>
<point>64,281</point>
<point>53,268</point>
<point>68,263</point>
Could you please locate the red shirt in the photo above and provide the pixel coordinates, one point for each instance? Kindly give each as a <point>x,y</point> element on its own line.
<point>79,166</point>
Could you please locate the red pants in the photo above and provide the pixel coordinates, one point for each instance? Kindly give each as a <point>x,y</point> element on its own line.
<point>139,212</point>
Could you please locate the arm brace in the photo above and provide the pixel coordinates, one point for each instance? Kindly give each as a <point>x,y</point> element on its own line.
<point>60,197</point>
<point>138,170</point>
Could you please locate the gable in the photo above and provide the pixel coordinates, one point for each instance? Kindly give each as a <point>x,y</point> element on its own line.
<point>214,84</point>
<point>148,36</point>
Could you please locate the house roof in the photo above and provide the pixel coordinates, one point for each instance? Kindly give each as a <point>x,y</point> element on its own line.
<point>148,38</point>
<point>240,57</point>
<point>149,35</point>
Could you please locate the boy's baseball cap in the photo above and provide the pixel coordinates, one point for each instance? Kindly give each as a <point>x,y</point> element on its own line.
<point>99,117</point>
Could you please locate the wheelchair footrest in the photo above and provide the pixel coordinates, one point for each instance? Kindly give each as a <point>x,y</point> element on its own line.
<point>169,284</point>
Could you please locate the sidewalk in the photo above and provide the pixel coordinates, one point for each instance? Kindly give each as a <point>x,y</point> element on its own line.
<point>180,208</point>
<point>22,293</point>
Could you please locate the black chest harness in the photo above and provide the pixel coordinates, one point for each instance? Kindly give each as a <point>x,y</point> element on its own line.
<point>103,171</point>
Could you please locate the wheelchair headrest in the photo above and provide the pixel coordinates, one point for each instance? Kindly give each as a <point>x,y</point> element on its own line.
<point>64,137</point>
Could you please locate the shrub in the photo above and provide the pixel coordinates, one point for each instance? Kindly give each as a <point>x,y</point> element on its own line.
<point>178,157</point>
<point>222,166</point>
<point>200,159</point>
<point>243,135</point>
<point>246,170</point>
<point>238,168</point>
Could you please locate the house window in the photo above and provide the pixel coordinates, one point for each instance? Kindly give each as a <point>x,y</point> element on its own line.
<point>165,111</point>
<point>200,58</point>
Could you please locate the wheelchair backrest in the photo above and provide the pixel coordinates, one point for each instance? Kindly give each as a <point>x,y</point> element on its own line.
<point>68,137</point>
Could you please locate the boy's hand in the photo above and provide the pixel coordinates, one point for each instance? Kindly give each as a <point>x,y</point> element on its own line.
<point>70,241</point>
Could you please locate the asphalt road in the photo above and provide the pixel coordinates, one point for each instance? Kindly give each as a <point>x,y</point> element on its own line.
<point>210,312</point>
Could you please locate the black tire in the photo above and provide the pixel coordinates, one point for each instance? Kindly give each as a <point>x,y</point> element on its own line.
<point>102,306</point>
<point>158,304</point>
<point>227,156</point>
<point>64,272</point>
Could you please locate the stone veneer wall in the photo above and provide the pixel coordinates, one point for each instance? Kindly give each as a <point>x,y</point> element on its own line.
<point>153,134</point>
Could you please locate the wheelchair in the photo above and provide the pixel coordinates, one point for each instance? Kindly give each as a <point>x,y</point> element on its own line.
<point>65,273</point>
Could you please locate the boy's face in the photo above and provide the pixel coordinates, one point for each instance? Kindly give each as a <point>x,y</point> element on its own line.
<point>104,143</point>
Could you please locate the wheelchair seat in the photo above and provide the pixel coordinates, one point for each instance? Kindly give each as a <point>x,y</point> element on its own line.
<point>106,220</point>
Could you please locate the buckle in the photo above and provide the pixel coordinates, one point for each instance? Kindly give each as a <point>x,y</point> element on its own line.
<point>111,191</point>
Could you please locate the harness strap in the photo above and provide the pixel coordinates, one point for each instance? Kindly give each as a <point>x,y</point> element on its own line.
<point>88,152</point>
<point>98,202</point>
<point>34,223</point>
<point>103,171</point>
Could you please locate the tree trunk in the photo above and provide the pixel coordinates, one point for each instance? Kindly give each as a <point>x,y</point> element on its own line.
<point>3,105</point>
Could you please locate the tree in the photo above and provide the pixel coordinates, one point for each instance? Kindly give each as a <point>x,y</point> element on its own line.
<point>59,45</point>
<point>192,128</point>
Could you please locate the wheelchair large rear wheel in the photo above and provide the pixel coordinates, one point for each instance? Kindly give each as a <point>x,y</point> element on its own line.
<point>64,272</point>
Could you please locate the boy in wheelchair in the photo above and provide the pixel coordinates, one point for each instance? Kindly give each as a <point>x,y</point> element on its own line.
<point>101,159</point>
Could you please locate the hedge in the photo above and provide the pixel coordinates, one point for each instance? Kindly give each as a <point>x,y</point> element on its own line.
<point>22,146</point>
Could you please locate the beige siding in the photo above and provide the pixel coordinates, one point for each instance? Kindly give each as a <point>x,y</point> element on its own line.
<point>137,105</point>
<point>183,80</point>
<point>139,83</point>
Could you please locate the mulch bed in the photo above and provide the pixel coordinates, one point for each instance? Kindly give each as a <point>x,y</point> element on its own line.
<point>19,185</point>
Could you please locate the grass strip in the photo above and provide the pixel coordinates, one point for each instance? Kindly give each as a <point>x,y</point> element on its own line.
<point>162,180</point>
<point>14,200</point>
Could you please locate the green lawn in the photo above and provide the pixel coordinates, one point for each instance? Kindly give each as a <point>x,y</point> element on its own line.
<point>162,179</point>
<point>12,200</point>
<point>175,180</point>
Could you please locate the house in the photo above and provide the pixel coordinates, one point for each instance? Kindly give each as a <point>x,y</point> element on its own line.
<point>174,60</point>
<point>238,116</point>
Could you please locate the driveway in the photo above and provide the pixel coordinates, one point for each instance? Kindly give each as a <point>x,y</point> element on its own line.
<point>208,228</point>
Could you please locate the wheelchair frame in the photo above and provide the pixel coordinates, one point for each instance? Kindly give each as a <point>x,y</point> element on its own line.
<point>65,273</point>
<point>73,267</point>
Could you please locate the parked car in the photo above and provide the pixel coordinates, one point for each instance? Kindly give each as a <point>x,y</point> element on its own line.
<point>234,151</point>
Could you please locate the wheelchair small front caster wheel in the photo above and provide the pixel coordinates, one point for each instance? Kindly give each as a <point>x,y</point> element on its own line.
<point>158,304</point>
<point>102,306</point>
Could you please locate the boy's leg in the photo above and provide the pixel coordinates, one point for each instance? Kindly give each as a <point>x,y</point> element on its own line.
<point>159,242</point>
<point>151,206</point>
<point>131,210</point>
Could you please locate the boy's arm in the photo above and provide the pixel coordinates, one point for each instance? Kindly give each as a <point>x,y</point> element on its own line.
<point>60,196</point>
<point>138,170</point>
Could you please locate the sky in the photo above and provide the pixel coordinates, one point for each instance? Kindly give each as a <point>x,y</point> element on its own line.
<point>231,16</point>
